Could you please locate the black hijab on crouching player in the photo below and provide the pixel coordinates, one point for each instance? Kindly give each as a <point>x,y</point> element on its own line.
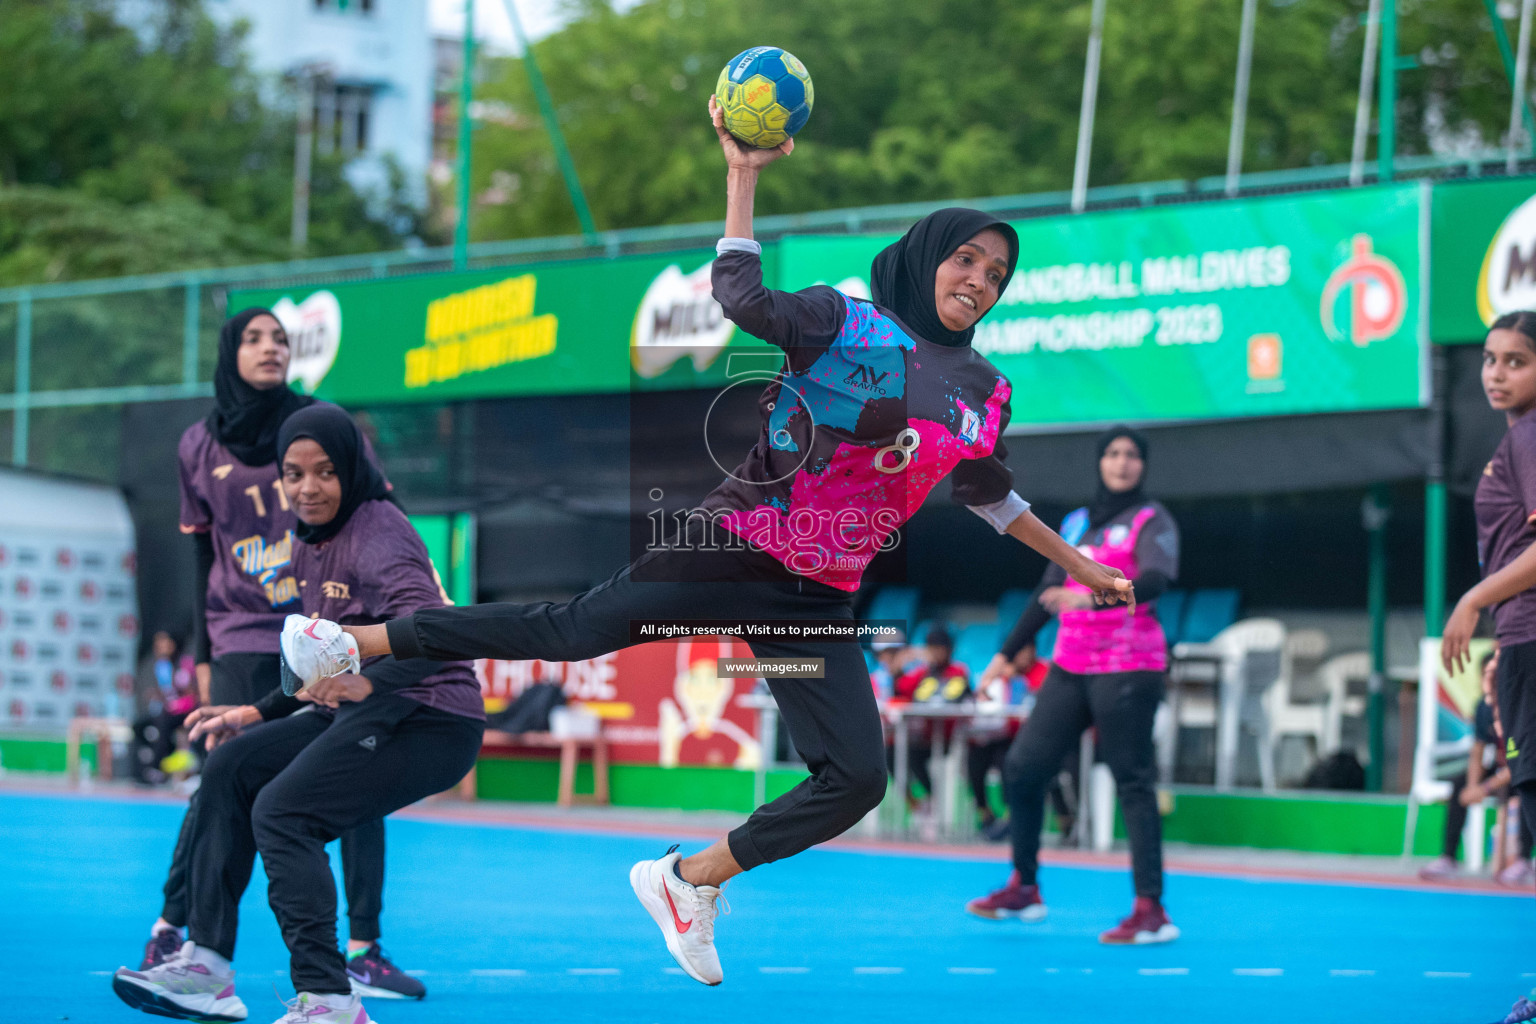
<point>245,418</point>
<point>337,434</point>
<point>902,275</point>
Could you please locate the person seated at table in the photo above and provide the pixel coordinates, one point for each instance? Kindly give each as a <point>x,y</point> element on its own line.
<point>938,680</point>
<point>892,660</point>
<point>1486,774</point>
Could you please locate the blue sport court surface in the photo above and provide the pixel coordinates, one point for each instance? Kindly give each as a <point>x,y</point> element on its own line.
<point>512,923</point>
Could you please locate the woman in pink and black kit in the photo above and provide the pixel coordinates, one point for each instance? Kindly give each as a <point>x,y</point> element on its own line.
<point>1107,672</point>
<point>876,402</point>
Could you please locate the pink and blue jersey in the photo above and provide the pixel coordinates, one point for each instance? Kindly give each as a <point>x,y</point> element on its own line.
<point>860,424</point>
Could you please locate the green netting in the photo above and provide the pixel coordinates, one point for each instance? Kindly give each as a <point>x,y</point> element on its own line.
<point>107,340</point>
<point>85,441</point>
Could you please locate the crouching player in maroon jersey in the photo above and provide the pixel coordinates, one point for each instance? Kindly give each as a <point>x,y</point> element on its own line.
<point>234,508</point>
<point>349,750</point>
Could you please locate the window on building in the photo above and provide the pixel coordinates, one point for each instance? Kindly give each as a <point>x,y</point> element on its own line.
<point>342,118</point>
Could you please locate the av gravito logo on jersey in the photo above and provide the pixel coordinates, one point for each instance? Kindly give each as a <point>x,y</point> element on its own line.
<point>678,317</point>
<point>314,336</point>
<point>1507,281</point>
<point>1365,299</point>
<point>864,378</point>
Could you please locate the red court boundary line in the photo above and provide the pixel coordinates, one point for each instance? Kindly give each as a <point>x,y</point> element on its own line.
<point>497,818</point>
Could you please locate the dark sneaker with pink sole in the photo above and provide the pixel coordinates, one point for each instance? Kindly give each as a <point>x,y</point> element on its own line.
<point>373,975</point>
<point>1014,901</point>
<point>1147,923</point>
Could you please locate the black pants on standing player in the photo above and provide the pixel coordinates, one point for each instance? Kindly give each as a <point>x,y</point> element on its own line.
<point>833,721</point>
<point>292,785</point>
<point>1121,706</point>
<point>245,679</point>
<point>1517,714</point>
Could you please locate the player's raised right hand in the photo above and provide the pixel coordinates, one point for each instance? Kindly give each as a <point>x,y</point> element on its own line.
<point>739,156</point>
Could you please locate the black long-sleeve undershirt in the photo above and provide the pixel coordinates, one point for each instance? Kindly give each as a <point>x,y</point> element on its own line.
<point>202,648</point>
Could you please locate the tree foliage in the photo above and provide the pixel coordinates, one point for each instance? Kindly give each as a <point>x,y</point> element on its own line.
<point>928,99</point>
<point>150,146</point>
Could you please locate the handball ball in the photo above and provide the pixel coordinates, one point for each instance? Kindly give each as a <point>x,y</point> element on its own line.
<point>766,95</point>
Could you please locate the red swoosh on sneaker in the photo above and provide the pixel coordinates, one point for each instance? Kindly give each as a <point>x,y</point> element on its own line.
<point>681,927</point>
<point>309,630</point>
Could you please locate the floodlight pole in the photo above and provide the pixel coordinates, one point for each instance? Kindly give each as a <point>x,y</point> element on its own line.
<point>466,139</point>
<point>1517,103</point>
<point>1240,97</point>
<point>552,125</point>
<point>1090,102</point>
<point>1386,142</point>
<point>1367,82</point>
<point>303,149</point>
<point>1508,57</point>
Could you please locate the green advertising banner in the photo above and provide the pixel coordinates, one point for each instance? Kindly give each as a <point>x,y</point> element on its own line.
<point>1483,255</point>
<point>551,328</point>
<point>1259,308</point>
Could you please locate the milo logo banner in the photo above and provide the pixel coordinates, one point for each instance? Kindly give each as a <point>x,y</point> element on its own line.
<point>1258,308</point>
<point>1483,240</point>
<point>594,325</point>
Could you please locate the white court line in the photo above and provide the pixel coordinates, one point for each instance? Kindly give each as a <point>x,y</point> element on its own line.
<point>784,970</point>
<point>1258,972</point>
<point>498,972</point>
<point>590,971</point>
<point>1155,971</point>
<point>418,974</point>
<point>1340,972</point>
<point>878,970</point>
<point>101,974</point>
<point>1053,970</point>
<point>973,970</point>
<point>1447,974</point>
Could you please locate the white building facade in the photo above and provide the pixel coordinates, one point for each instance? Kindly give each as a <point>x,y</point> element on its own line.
<point>372,63</point>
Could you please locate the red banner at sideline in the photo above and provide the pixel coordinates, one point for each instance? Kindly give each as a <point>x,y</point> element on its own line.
<point>661,703</point>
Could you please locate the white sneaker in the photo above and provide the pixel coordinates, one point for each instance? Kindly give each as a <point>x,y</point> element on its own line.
<point>685,914</point>
<point>314,649</point>
<point>308,1008</point>
<point>181,988</point>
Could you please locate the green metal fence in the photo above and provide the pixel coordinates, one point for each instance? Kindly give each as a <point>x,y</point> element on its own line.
<point>83,349</point>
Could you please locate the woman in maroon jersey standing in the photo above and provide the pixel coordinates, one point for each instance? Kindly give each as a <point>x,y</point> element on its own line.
<point>1506,529</point>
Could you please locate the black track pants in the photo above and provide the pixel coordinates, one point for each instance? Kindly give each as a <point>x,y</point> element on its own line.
<point>245,679</point>
<point>286,788</point>
<point>1121,706</point>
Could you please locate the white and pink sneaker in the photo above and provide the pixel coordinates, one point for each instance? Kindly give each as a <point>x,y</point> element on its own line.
<point>314,649</point>
<point>183,986</point>
<point>309,1008</point>
<point>685,913</point>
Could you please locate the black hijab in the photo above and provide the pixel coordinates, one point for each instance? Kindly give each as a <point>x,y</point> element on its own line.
<point>335,432</point>
<point>245,419</point>
<point>901,278</point>
<point>1107,503</point>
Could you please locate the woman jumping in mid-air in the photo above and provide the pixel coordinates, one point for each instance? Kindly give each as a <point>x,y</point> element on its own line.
<point>875,404</point>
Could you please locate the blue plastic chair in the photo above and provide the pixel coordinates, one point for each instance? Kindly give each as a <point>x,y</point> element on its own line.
<point>896,603</point>
<point>1045,640</point>
<point>1170,612</point>
<point>975,646</point>
<point>1009,607</point>
<point>1207,613</point>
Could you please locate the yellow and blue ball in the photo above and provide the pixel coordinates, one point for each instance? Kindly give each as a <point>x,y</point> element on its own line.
<point>766,95</point>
